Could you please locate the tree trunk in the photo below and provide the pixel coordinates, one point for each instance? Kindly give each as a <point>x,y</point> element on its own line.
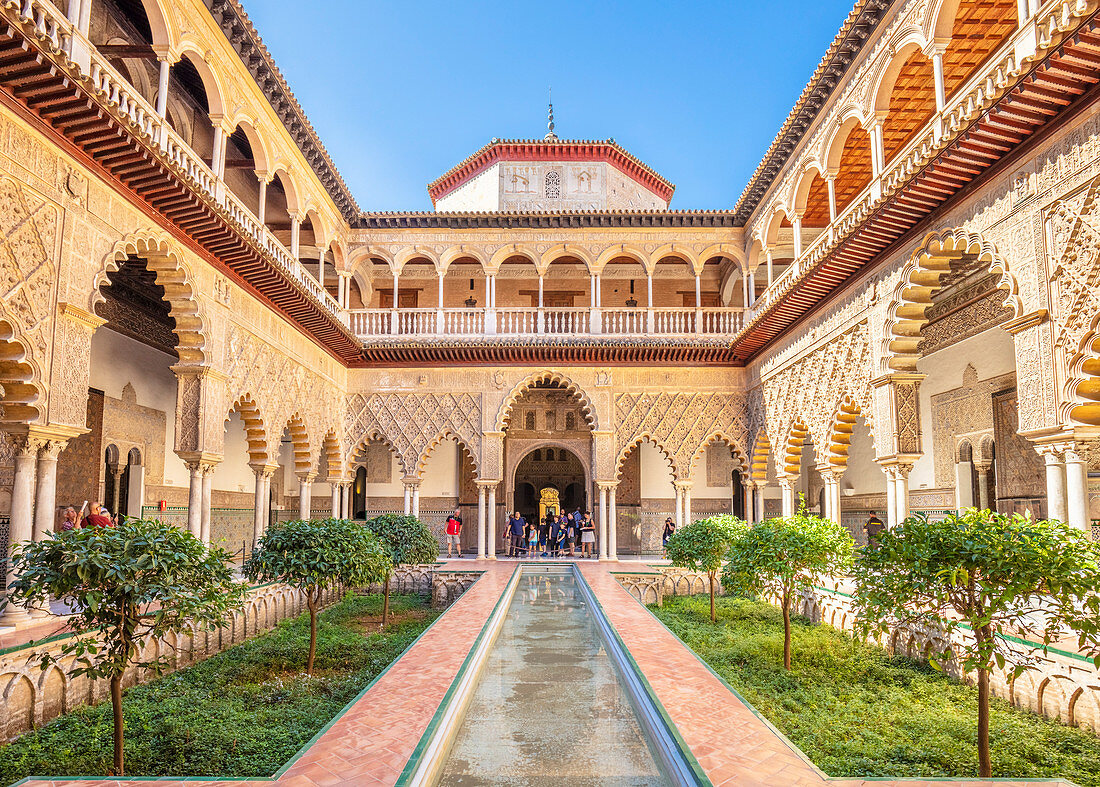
<point>116,711</point>
<point>786,630</point>
<point>386,600</point>
<point>713,617</point>
<point>985,761</point>
<point>311,603</point>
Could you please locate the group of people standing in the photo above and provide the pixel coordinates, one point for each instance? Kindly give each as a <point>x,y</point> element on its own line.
<point>97,516</point>
<point>557,535</point>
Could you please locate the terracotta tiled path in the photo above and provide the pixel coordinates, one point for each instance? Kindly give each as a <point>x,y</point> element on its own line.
<point>372,741</point>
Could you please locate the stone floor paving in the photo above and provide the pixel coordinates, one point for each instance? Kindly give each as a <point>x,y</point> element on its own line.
<point>370,743</point>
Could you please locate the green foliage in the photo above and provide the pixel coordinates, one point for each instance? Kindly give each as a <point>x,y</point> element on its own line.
<point>127,586</point>
<point>406,539</point>
<point>315,555</point>
<point>241,713</point>
<point>858,712</point>
<point>784,555</point>
<point>995,573</point>
<point>703,544</point>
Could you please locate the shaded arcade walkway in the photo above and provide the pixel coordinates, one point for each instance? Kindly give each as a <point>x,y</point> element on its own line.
<point>372,740</point>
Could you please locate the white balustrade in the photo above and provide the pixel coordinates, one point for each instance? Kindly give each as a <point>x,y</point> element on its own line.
<point>525,321</point>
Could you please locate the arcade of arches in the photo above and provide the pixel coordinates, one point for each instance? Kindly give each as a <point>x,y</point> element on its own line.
<point>243,344</point>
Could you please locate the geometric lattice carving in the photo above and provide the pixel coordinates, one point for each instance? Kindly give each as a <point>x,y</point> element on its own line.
<point>812,388</point>
<point>412,423</point>
<point>681,423</point>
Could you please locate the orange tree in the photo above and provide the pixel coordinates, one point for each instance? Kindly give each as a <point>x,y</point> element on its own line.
<point>315,556</point>
<point>407,541</point>
<point>999,587</point>
<point>702,546</point>
<point>126,586</point>
<point>785,556</point>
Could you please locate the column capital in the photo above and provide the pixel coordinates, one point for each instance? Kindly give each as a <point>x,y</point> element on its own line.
<point>264,470</point>
<point>200,460</point>
<point>307,477</point>
<point>608,485</point>
<point>486,484</point>
<point>411,482</point>
<point>685,485</point>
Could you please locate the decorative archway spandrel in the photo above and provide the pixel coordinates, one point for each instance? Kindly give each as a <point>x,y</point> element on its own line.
<point>812,388</point>
<point>681,422</point>
<point>412,423</point>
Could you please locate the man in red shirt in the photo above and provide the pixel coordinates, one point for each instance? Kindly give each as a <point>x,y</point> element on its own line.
<point>454,532</point>
<point>97,518</point>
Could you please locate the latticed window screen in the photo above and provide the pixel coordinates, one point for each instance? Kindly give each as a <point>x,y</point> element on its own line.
<point>553,185</point>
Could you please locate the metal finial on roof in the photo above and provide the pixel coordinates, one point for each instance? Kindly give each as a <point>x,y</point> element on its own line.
<point>550,118</point>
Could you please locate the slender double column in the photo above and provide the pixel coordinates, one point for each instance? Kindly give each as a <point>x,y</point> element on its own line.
<point>786,489</point>
<point>262,499</point>
<point>305,495</point>
<point>21,525</point>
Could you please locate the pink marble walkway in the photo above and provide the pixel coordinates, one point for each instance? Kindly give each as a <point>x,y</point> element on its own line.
<point>370,744</point>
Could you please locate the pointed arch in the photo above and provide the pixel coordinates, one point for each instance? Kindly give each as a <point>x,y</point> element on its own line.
<point>299,438</point>
<point>445,435</point>
<point>546,376</point>
<point>21,385</point>
<point>920,279</point>
<point>761,451</point>
<point>254,430</point>
<point>792,448</point>
<point>714,437</point>
<point>171,273</point>
<point>376,435</point>
<point>841,426</point>
<point>647,437</point>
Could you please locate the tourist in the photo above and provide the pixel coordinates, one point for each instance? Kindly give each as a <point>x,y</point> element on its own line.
<point>544,532</point>
<point>516,527</point>
<point>571,539</point>
<point>532,540</point>
<point>454,531</point>
<point>70,521</point>
<point>873,528</point>
<point>560,536</point>
<point>99,517</point>
<point>588,537</point>
<point>670,528</point>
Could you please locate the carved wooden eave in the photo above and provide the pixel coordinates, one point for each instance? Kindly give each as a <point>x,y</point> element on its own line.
<point>1062,83</point>
<point>854,33</point>
<point>564,220</point>
<point>39,83</point>
<point>488,351</point>
<point>242,34</point>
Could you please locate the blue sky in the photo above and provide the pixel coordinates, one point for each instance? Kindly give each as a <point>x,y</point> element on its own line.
<point>400,92</point>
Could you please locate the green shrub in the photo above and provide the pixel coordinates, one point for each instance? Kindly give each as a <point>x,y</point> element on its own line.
<point>858,712</point>
<point>241,713</point>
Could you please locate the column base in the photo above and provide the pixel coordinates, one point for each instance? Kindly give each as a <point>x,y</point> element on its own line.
<point>15,617</point>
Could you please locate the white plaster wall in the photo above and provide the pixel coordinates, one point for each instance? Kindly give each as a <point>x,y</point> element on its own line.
<point>233,473</point>
<point>440,477</point>
<point>482,192</point>
<point>393,489</point>
<point>655,472</point>
<point>117,360</point>
<point>992,353</point>
<point>864,475</point>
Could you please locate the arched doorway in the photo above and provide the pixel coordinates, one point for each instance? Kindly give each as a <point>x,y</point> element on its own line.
<point>549,477</point>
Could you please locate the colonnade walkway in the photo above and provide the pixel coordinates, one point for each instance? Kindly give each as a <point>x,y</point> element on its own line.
<point>371,741</point>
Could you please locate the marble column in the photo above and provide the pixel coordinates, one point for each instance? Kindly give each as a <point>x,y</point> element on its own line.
<point>334,490</point>
<point>491,513</point>
<point>786,490</point>
<point>613,526</point>
<point>891,496</point>
<point>45,501</point>
<point>345,508</point>
<point>750,494</point>
<point>194,499</point>
<point>1077,503</point>
<point>408,500</point>
<point>21,526</point>
<point>687,504</point>
<point>207,502</point>
<point>1056,484</point>
<point>481,536</point>
<point>416,501</point>
<point>679,513</point>
<point>305,496</point>
<point>759,513</point>
<point>603,521</point>
<point>901,494</point>
<point>260,501</point>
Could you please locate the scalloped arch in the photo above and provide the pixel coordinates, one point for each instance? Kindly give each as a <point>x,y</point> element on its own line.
<point>443,436</point>
<point>920,279</point>
<point>172,274</point>
<point>711,439</point>
<point>549,376</point>
<point>255,432</point>
<point>624,452</point>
